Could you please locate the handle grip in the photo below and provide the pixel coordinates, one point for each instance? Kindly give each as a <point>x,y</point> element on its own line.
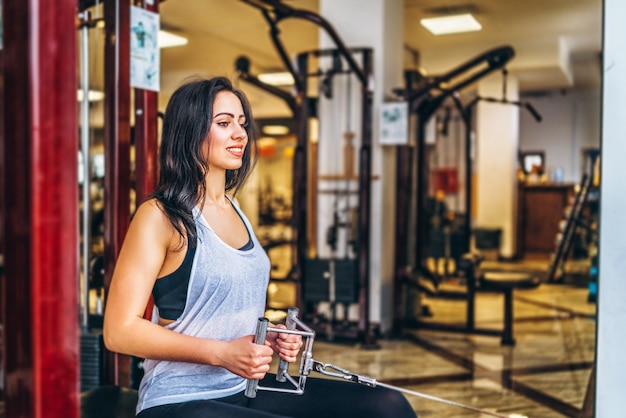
<point>283,365</point>
<point>259,338</point>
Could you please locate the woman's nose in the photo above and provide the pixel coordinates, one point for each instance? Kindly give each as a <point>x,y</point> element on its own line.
<point>240,131</point>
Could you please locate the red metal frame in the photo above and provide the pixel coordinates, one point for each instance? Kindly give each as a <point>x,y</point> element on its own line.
<point>145,136</point>
<point>116,155</point>
<point>40,151</point>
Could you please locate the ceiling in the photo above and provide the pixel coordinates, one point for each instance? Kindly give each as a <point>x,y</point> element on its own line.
<point>557,43</point>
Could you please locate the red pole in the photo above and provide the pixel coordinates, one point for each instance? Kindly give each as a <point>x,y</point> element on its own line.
<point>145,135</point>
<point>40,213</point>
<point>146,139</point>
<point>116,155</point>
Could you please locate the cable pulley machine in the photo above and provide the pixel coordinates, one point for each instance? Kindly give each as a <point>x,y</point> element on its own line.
<point>308,364</point>
<point>275,11</point>
<point>424,97</point>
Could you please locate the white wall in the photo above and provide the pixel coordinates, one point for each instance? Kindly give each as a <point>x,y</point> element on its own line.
<point>611,372</point>
<point>571,123</point>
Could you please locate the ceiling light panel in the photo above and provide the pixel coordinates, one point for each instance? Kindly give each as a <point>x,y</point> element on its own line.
<point>283,78</point>
<point>446,25</point>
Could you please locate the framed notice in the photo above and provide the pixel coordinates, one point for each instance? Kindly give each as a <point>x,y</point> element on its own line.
<point>394,123</point>
<point>145,58</point>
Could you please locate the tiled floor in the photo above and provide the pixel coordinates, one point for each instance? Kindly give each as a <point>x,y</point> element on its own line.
<point>546,374</point>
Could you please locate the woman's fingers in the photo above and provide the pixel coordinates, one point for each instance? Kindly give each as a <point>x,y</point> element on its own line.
<point>247,359</point>
<point>289,346</point>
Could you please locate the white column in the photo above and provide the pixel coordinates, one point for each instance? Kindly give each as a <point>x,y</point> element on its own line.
<point>497,139</point>
<point>611,369</point>
<point>376,24</point>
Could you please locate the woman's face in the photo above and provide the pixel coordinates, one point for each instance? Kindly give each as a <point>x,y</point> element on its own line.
<point>228,134</point>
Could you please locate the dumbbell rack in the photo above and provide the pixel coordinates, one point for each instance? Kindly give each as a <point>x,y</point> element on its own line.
<point>572,222</point>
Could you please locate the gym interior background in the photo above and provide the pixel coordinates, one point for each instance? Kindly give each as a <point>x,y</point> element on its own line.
<point>452,250</point>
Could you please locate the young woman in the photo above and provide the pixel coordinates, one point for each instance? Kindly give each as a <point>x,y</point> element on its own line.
<point>193,249</point>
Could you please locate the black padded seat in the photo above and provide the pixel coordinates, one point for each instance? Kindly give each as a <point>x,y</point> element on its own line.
<point>506,282</point>
<point>108,402</point>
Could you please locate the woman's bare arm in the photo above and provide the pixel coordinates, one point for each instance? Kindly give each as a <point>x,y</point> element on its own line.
<point>146,245</point>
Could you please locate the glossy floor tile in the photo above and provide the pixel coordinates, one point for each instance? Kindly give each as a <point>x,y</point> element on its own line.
<point>545,374</point>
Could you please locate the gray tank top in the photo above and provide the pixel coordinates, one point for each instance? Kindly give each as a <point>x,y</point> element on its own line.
<point>226,296</point>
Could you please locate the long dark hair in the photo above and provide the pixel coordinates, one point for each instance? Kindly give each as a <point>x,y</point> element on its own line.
<point>183,167</point>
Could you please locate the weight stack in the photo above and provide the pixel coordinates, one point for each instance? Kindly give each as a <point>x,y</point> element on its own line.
<point>91,360</point>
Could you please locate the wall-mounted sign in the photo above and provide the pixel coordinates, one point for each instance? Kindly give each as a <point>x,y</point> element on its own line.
<point>394,123</point>
<point>145,58</point>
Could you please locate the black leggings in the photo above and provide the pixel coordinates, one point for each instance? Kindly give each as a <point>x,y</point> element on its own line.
<point>322,398</point>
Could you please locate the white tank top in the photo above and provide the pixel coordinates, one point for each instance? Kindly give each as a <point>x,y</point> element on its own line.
<point>226,296</point>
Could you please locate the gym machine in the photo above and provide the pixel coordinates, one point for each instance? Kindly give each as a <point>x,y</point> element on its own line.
<point>308,364</point>
<point>468,265</point>
<point>424,97</point>
<point>308,272</point>
<point>113,368</point>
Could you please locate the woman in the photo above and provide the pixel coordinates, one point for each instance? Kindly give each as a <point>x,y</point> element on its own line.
<point>192,248</point>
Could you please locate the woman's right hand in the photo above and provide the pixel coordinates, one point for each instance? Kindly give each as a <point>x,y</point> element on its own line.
<point>245,358</point>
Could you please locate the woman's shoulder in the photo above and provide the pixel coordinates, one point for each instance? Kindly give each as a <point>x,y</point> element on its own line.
<point>151,212</point>
<point>150,207</point>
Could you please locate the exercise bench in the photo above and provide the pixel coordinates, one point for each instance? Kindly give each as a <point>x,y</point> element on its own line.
<point>505,282</point>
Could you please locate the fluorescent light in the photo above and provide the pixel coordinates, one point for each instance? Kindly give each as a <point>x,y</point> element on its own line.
<point>92,95</point>
<point>168,39</point>
<point>451,24</point>
<point>275,130</point>
<point>283,78</point>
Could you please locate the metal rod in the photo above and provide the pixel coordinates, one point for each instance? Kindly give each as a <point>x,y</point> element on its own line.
<point>261,334</point>
<point>283,365</point>
<point>283,11</point>
<point>440,400</point>
<point>84,140</point>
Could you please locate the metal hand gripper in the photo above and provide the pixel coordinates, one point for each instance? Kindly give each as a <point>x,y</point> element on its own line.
<point>308,364</point>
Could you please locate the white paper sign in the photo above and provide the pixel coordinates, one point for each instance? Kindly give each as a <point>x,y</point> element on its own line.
<point>394,123</point>
<point>145,58</point>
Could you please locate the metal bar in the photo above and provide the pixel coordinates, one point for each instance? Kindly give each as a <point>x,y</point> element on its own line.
<point>404,185</point>
<point>282,51</point>
<point>361,73</point>
<point>466,114</point>
<point>282,94</point>
<point>440,400</point>
<point>39,150</point>
<point>300,183</point>
<point>86,157</point>
<point>259,338</point>
<point>494,59</point>
<point>365,197</point>
<point>421,195</point>
<point>117,155</point>
<point>284,11</point>
<point>283,365</point>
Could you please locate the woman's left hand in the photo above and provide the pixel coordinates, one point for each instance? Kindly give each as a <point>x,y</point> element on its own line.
<point>286,345</point>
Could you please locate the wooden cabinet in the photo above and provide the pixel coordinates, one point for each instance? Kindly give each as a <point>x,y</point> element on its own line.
<point>540,209</point>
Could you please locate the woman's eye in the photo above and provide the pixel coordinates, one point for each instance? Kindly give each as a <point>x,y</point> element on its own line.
<point>223,124</point>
